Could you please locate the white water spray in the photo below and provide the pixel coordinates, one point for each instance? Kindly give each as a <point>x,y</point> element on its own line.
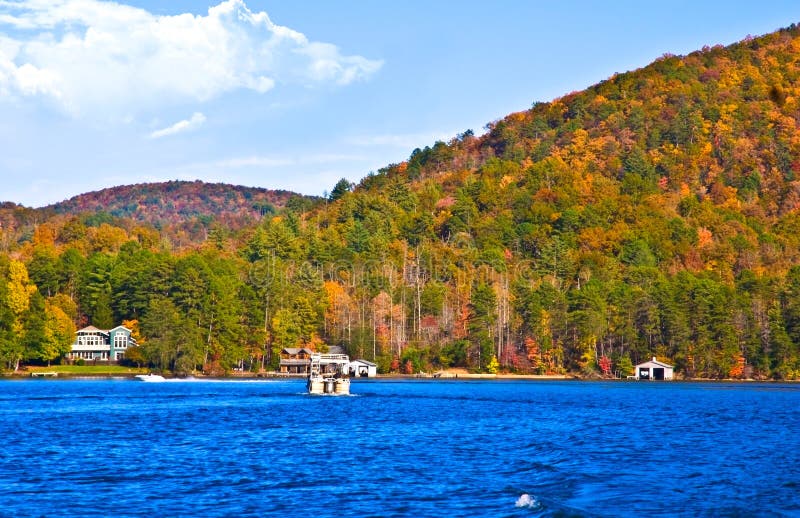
<point>526,500</point>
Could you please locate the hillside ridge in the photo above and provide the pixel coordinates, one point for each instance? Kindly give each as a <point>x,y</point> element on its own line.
<point>168,202</point>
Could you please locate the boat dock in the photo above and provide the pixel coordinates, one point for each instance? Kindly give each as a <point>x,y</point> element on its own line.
<point>44,374</point>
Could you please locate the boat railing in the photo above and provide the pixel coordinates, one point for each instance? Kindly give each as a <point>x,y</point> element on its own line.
<point>322,362</point>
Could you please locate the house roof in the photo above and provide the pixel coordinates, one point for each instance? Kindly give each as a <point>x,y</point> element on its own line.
<point>336,349</point>
<point>120,327</point>
<point>365,362</point>
<point>655,363</point>
<point>91,329</point>
<point>295,350</point>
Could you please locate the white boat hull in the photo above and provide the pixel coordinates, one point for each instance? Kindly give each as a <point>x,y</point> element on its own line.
<point>150,378</point>
<point>316,386</point>
<point>342,387</point>
<point>333,386</point>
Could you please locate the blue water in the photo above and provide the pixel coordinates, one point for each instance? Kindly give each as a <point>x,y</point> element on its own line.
<point>399,448</point>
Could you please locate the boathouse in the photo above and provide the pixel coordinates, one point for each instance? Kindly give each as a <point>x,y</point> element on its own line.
<point>363,369</point>
<point>654,370</point>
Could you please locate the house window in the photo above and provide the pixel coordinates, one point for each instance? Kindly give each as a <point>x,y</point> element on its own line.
<point>92,339</point>
<point>120,341</point>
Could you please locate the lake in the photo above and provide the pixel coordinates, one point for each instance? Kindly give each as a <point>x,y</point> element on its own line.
<point>399,448</point>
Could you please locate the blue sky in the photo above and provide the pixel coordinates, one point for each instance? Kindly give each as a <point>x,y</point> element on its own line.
<point>295,95</point>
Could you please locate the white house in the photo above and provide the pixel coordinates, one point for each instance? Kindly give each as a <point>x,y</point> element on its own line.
<point>653,370</point>
<point>362,369</point>
<point>102,345</point>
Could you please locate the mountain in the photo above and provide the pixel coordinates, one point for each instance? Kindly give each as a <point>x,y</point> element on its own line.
<point>690,163</point>
<point>656,213</point>
<point>176,201</point>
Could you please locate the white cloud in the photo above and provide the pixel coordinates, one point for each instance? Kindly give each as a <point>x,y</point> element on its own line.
<point>403,140</point>
<point>271,162</point>
<point>248,161</point>
<point>197,119</point>
<point>102,58</point>
<point>310,173</point>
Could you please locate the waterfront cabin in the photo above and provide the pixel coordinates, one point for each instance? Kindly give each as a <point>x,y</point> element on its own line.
<point>653,370</point>
<point>101,345</point>
<point>295,360</point>
<point>362,369</point>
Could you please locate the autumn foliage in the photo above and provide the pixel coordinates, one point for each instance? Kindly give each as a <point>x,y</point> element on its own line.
<point>656,213</point>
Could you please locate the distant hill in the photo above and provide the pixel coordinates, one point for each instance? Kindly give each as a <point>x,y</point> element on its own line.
<point>177,201</point>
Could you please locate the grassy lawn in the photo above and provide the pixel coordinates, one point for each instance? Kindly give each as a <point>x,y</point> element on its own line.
<point>88,370</point>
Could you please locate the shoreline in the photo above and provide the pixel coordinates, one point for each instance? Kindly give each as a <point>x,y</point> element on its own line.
<point>439,376</point>
<point>477,376</point>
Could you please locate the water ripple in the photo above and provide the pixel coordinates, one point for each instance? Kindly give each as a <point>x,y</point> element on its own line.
<point>94,448</point>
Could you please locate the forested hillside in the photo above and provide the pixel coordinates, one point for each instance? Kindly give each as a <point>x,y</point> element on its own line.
<point>183,212</point>
<point>178,201</point>
<point>654,214</point>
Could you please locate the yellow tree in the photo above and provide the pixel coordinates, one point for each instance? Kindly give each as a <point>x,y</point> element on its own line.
<point>20,290</point>
<point>65,304</point>
<point>44,236</point>
<point>135,354</point>
<point>59,331</point>
<point>18,300</point>
<point>107,238</point>
<point>133,325</point>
